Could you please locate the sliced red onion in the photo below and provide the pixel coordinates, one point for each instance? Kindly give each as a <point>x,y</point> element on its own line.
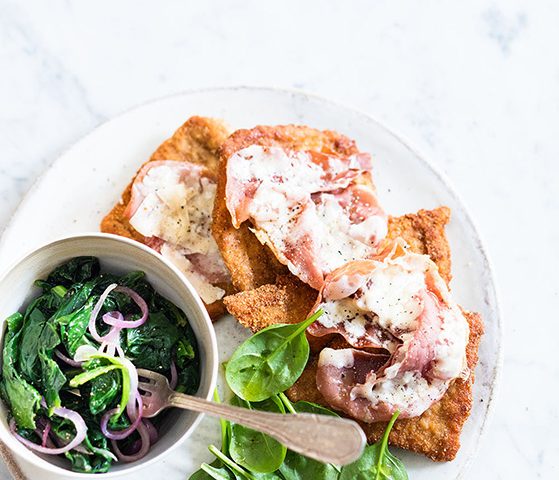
<point>43,431</point>
<point>153,433</point>
<point>144,438</point>
<point>67,360</point>
<point>97,309</point>
<point>140,302</point>
<point>134,414</point>
<point>113,318</point>
<point>116,434</point>
<point>111,341</point>
<point>174,376</point>
<point>135,446</point>
<point>46,441</point>
<point>132,448</point>
<point>74,417</point>
<point>45,435</point>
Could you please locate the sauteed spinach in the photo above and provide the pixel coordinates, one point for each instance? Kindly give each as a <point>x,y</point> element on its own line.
<point>67,384</point>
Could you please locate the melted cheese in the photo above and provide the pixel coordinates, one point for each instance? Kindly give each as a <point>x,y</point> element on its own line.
<point>392,291</point>
<point>285,194</point>
<point>450,361</point>
<point>208,292</point>
<point>176,207</point>
<point>336,358</point>
<point>411,393</point>
<point>298,173</point>
<point>339,241</point>
<point>344,314</point>
<point>407,297</point>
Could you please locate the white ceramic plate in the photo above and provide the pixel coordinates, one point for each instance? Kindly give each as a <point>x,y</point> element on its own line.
<point>84,183</point>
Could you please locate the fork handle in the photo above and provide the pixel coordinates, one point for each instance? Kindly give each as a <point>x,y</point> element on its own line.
<point>325,438</point>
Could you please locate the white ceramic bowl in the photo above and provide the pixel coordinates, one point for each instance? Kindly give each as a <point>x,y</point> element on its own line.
<point>117,255</point>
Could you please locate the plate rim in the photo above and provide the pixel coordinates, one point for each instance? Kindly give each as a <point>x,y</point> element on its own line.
<point>399,137</point>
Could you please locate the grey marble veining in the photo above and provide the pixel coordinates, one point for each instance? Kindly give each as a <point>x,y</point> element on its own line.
<point>474,85</point>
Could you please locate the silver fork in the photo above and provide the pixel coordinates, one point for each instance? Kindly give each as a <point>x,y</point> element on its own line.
<point>325,438</point>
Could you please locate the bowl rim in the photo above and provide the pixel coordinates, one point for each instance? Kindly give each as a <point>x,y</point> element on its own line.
<point>212,360</point>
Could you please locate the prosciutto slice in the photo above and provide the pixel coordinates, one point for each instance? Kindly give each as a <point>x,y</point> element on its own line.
<point>179,172</point>
<point>171,205</point>
<point>402,305</point>
<point>308,207</point>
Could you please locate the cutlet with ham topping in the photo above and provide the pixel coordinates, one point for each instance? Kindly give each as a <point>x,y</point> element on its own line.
<point>307,196</point>
<point>434,433</point>
<point>168,206</point>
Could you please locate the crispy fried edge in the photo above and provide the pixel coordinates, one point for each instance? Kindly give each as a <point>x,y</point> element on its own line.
<point>436,433</point>
<point>251,264</point>
<point>288,300</point>
<point>424,233</point>
<point>198,141</point>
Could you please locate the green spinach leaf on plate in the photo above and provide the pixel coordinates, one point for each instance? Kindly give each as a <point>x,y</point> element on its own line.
<point>310,407</point>
<point>299,467</point>
<point>254,450</point>
<point>376,462</point>
<point>270,361</point>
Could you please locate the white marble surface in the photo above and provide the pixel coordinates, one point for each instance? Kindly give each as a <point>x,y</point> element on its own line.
<point>474,85</point>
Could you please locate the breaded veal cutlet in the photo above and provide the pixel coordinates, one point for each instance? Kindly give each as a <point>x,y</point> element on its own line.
<point>269,294</point>
<point>250,264</point>
<point>197,141</point>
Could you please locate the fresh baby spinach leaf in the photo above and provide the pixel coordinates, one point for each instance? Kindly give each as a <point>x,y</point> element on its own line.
<point>222,468</point>
<point>211,471</point>
<point>299,467</point>
<point>254,450</point>
<point>376,462</point>
<point>270,361</point>
<point>310,407</point>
